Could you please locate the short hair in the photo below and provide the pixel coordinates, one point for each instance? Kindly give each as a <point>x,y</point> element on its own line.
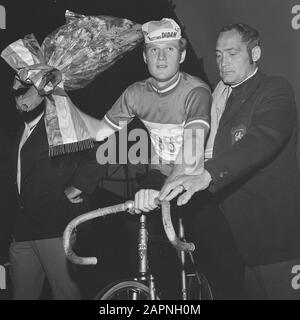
<point>249,35</point>
<point>182,45</point>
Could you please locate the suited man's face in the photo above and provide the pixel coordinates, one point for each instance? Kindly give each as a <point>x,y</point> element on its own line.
<point>27,99</point>
<point>232,58</point>
<point>29,103</point>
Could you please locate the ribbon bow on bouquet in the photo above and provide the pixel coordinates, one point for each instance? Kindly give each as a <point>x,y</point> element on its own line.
<point>68,59</point>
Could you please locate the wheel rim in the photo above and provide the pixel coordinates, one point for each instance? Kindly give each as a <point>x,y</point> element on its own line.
<point>125,290</point>
<point>129,293</point>
<point>199,289</point>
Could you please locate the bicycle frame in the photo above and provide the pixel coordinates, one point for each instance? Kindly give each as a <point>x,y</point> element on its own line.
<point>183,262</point>
<point>144,275</point>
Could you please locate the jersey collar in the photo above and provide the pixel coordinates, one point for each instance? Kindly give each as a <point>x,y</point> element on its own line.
<point>170,85</point>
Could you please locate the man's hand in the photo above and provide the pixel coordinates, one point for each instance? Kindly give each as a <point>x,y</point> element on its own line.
<point>144,200</point>
<point>73,194</point>
<point>188,183</point>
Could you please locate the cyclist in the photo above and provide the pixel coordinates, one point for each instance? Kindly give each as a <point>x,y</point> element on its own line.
<point>174,107</point>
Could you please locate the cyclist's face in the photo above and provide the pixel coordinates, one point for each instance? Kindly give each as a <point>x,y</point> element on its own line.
<point>163,60</point>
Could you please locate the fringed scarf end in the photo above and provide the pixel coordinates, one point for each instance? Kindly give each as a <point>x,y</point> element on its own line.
<point>71,147</point>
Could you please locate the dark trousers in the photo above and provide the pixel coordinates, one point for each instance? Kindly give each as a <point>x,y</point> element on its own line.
<point>216,254</point>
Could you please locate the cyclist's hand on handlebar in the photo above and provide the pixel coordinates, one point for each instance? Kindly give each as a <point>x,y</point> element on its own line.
<point>144,200</point>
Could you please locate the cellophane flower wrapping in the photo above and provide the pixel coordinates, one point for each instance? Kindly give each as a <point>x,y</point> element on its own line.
<point>87,45</point>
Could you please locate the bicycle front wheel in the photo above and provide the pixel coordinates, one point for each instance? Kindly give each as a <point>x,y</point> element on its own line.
<point>124,290</point>
<point>198,288</point>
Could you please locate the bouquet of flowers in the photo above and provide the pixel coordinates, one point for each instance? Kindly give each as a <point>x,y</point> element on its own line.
<point>68,59</point>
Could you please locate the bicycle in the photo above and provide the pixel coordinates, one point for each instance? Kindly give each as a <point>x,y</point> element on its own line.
<point>194,285</point>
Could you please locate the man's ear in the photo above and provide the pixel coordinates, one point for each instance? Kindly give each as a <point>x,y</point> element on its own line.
<point>144,56</point>
<point>256,53</point>
<point>183,54</point>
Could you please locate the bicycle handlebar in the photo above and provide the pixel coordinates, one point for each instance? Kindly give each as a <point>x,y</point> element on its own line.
<point>169,229</point>
<point>127,206</point>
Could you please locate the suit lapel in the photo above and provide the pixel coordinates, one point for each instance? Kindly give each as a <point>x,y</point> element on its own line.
<point>35,132</point>
<point>16,151</point>
<point>32,148</point>
<point>238,100</point>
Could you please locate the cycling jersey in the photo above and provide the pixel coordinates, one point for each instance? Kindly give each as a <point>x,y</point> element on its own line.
<point>165,113</point>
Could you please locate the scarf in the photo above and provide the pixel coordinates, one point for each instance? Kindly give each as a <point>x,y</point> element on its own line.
<point>219,99</point>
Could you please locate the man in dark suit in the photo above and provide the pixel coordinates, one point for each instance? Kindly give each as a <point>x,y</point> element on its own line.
<point>254,170</point>
<point>50,192</point>
<point>5,195</point>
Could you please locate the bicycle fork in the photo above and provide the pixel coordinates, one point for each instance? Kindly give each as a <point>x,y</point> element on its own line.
<point>183,262</point>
